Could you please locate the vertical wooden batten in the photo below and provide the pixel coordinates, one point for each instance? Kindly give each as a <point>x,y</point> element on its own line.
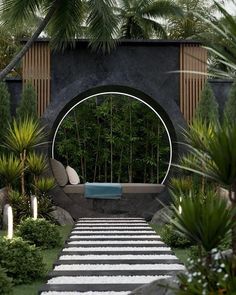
<point>193,62</point>
<point>36,70</point>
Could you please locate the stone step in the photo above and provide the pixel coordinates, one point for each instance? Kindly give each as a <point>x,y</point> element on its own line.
<point>115,245</point>
<point>86,288</point>
<point>118,261</point>
<point>107,238</point>
<point>81,229</point>
<point>109,273</point>
<point>150,252</point>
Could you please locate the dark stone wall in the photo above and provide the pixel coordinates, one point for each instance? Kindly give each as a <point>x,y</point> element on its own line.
<point>221,90</point>
<point>15,89</point>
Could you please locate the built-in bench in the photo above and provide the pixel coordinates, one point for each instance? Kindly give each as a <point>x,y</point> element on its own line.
<point>127,188</point>
<point>138,199</point>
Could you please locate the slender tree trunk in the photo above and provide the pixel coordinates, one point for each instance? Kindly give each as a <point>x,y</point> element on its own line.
<point>79,141</point>
<point>111,135</point>
<point>131,146</point>
<point>120,164</point>
<point>23,158</point>
<point>97,154</point>
<point>158,154</point>
<point>30,42</point>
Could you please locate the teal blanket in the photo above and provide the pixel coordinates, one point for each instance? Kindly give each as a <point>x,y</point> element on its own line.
<point>103,190</point>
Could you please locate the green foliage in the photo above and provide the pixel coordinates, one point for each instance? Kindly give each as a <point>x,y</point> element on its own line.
<point>5,283</point>
<point>5,112</point>
<point>218,277</point>
<point>44,184</point>
<point>36,163</point>
<point>230,106</point>
<point>189,26</point>
<point>23,262</point>
<point>24,135</point>
<point>181,185</point>
<point>140,19</point>
<point>28,103</point>
<point>20,206</point>
<point>39,232</point>
<point>208,109</point>
<point>10,169</point>
<point>173,238</point>
<point>204,220</point>
<point>113,138</point>
<point>45,207</point>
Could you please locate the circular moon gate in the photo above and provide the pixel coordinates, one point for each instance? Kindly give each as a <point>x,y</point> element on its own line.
<point>128,95</point>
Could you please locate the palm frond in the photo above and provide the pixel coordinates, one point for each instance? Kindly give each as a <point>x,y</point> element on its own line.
<point>102,25</point>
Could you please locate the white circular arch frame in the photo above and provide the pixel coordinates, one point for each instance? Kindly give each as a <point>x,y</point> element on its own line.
<point>120,93</point>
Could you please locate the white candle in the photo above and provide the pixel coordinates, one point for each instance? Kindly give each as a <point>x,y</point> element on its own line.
<point>34,206</point>
<point>9,223</point>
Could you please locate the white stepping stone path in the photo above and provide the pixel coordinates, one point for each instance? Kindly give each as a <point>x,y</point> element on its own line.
<point>110,256</point>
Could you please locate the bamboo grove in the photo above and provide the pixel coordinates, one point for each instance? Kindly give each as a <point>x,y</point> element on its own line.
<point>113,138</point>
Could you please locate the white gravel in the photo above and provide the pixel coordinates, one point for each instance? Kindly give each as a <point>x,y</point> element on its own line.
<point>86,293</point>
<point>105,279</point>
<point>81,267</point>
<point>112,232</point>
<point>114,242</point>
<point>117,257</point>
<point>91,237</point>
<point>116,249</point>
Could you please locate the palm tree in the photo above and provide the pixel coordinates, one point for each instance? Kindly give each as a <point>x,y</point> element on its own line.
<point>190,26</point>
<point>221,42</point>
<point>21,138</point>
<point>139,18</point>
<point>65,19</point>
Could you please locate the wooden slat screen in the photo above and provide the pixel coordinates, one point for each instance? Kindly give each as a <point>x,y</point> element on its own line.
<point>193,58</point>
<point>36,70</point>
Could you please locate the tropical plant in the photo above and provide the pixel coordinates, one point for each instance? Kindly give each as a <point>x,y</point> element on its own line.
<point>208,108</point>
<point>230,106</point>
<point>44,184</point>
<point>20,205</point>
<point>5,112</point>
<point>64,20</point>
<point>204,220</point>
<point>22,136</point>
<point>181,185</point>
<point>139,19</point>
<point>218,156</point>
<point>10,170</point>
<point>36,164</point>
<point>221,42</point>
<point>189,26</point>
<point>28,103</point>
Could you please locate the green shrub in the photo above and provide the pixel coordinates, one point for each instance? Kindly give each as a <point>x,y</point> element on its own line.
<point>20,205</point>
<point>39,232</point>
<point>5,283</point>
<point>22,261</point>
<point>172,238</point>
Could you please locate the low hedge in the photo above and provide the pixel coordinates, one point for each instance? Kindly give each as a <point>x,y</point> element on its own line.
<point>39,232</point>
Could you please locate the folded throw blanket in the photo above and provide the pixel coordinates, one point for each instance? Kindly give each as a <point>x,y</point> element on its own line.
<point>103,190</point>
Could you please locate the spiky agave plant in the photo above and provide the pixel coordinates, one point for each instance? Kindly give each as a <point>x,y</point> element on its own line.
<point>10,170</point>
<point>36,163</point>
<point>22,136</point>
<point>44,184</point>
<point>219,159</point>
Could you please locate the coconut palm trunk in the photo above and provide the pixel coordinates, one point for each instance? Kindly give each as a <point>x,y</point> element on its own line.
<point>29,43</point>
